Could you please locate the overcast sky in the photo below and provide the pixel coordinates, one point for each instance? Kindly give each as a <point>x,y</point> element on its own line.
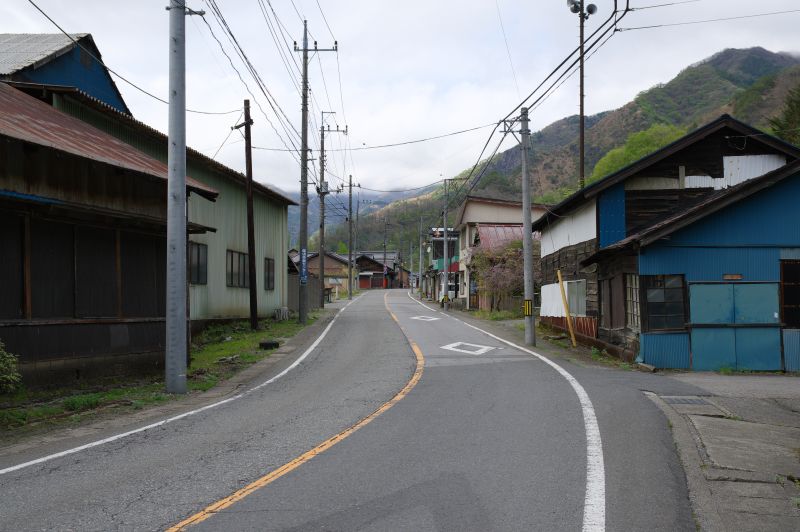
<point>409,69</point>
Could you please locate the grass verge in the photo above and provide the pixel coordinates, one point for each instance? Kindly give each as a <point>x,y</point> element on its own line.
<point>217,354</point>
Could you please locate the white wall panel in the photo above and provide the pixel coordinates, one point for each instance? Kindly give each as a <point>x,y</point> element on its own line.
<point>740,168</point>
<point>579,226</point>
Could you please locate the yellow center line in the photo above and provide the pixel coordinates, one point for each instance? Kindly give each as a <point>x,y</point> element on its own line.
<point>270,477</point>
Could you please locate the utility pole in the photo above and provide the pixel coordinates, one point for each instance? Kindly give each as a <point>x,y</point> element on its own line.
<point>251,238</point>
<point>419,272</point>
<point>323,191</point>
<point>446,254</point>
<point>303,244</point>
<point>579,8</point>
<point>527,235</point>
<point>385,225</point>
<point>176,353</point>
<point>350,239</point>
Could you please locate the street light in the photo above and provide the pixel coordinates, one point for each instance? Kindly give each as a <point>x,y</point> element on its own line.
<point>577,7</point>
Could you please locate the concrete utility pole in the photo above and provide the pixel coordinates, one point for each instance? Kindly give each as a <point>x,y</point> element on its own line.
<point>385,226</point>
<point>323,191</point>
<point>251,238</point>
<point>446,254</point>
<point>303,244</point>
<point>419,272</point>
<point>176,353</point>
<point>527,235</point>
<point>350,239</point>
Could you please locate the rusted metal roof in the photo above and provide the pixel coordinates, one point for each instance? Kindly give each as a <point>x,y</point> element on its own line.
<point>493,236</point>
<point>25,118</point>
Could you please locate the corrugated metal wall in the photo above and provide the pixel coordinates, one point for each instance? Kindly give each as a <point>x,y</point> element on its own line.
<point>710,263</point>
<point>791,349</point>
<point>612,215</point>
<point>665,350</point>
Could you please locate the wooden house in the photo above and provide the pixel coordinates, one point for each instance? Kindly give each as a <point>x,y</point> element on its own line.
<point>604,296</point>
<point>487,223</point>
<point>719,282</point>
<point>83,233</point>
<point>336,271</point>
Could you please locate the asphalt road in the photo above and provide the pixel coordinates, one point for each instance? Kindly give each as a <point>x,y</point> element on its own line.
<point>488,441</point>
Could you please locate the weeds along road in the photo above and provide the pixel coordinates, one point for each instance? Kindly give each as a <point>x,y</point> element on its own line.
<point>485,437</point>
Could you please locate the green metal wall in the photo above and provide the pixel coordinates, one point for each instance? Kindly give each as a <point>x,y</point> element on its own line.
<point>228,215</point>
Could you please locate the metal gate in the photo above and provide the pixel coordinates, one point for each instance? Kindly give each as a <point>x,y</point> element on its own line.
<point>735,325</point>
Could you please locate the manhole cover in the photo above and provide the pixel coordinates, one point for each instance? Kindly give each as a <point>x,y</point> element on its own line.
<point>684,401</point>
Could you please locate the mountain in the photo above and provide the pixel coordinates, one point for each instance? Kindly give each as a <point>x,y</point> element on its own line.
<point>750,84</point>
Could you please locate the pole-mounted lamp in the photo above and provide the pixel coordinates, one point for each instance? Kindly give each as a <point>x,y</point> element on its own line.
<point>583,11</point>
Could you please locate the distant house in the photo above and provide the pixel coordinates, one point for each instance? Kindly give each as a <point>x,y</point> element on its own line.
<point>56,59</point>
<point>336,271</point>
<point>379,269</point>
<point>487,223</point>
<point>433,277</point>
<point>606,297</point>
<point>83,233</point>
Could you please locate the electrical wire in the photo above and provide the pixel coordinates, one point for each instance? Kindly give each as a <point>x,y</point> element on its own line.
<point>117,74</point>
<point>401,190</point>
<point>688,23</point>
<point>664,5</point>
<point>508,50</point>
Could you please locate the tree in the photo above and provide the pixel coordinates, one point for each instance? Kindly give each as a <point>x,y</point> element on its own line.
<point>637,146</point>
<point>341,248</point>
<point>499,270</point>
<point>787,125</point>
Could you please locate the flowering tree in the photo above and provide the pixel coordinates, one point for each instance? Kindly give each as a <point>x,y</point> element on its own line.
<point>499,270</point>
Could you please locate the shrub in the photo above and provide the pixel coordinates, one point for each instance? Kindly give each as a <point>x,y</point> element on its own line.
<point>9,375</point>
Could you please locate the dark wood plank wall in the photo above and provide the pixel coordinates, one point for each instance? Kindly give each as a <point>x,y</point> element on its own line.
<point>568,261</point>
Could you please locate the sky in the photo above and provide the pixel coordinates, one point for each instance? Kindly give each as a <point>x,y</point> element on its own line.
<point>405,70</point>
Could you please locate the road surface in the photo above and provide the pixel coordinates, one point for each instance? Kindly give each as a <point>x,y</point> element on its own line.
<point>471,433</point>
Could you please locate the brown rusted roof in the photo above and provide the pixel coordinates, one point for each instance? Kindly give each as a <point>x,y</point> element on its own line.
<point>25,118</point>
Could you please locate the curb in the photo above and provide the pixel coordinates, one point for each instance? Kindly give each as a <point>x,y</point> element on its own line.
<point>704,508</point>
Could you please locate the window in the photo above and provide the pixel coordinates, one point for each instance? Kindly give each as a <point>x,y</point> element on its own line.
<point>632,320</point>
<point>198,263</point>
<point>664,300</point>
<point>269,274</point>
<point>236,270</point>
<point>790,293</point>
<point>576,297</point>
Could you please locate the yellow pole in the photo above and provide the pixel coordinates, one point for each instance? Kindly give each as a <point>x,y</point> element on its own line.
<point>566,308</point>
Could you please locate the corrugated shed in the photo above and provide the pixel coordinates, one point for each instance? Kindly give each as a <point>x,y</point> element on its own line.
<point>611,206</point>
<point>25,118</point>
<point>492,236</point>
<point>22,50</point>
<point>665,350</point>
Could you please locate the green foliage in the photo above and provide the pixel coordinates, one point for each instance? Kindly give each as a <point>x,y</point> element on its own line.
<point>745,103</point>
<point>787,124</point>
<point>9,375</point>
<point>553,197</point>
<point>637,146</point>
<point>341,248</point>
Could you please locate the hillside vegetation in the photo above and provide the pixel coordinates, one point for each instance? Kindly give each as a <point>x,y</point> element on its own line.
<point>750,84</point>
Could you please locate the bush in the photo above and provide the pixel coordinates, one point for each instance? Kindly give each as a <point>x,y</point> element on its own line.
<point>9,376</point>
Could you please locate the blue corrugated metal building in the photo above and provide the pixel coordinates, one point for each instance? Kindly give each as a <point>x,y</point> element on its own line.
<point>721,280</point>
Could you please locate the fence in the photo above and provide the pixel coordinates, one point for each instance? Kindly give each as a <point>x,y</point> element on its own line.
<point>294,292</point>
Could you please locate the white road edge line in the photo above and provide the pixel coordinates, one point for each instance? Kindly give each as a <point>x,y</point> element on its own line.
<point>594,504</point>
<point>179,416</point>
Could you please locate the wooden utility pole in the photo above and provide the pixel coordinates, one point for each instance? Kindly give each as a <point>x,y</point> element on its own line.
<point>303,244</point>
<point>251,237</point>
<point>323,191</point>
<point>350,239</point>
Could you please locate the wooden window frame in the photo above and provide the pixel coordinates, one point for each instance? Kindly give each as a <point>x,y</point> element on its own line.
<point>646,316</point>
<point>269,273</point>
<point>236,277</point>
<point>198,271</point>
<point>633,315</point>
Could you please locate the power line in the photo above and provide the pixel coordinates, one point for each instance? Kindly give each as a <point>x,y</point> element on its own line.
<point>326,21</point>
<point>117,74</point>
<point>508,50</point>
<point>710,20</point>
<point>227,137</point>
<point>400,190</point>
<point>664,5</point>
